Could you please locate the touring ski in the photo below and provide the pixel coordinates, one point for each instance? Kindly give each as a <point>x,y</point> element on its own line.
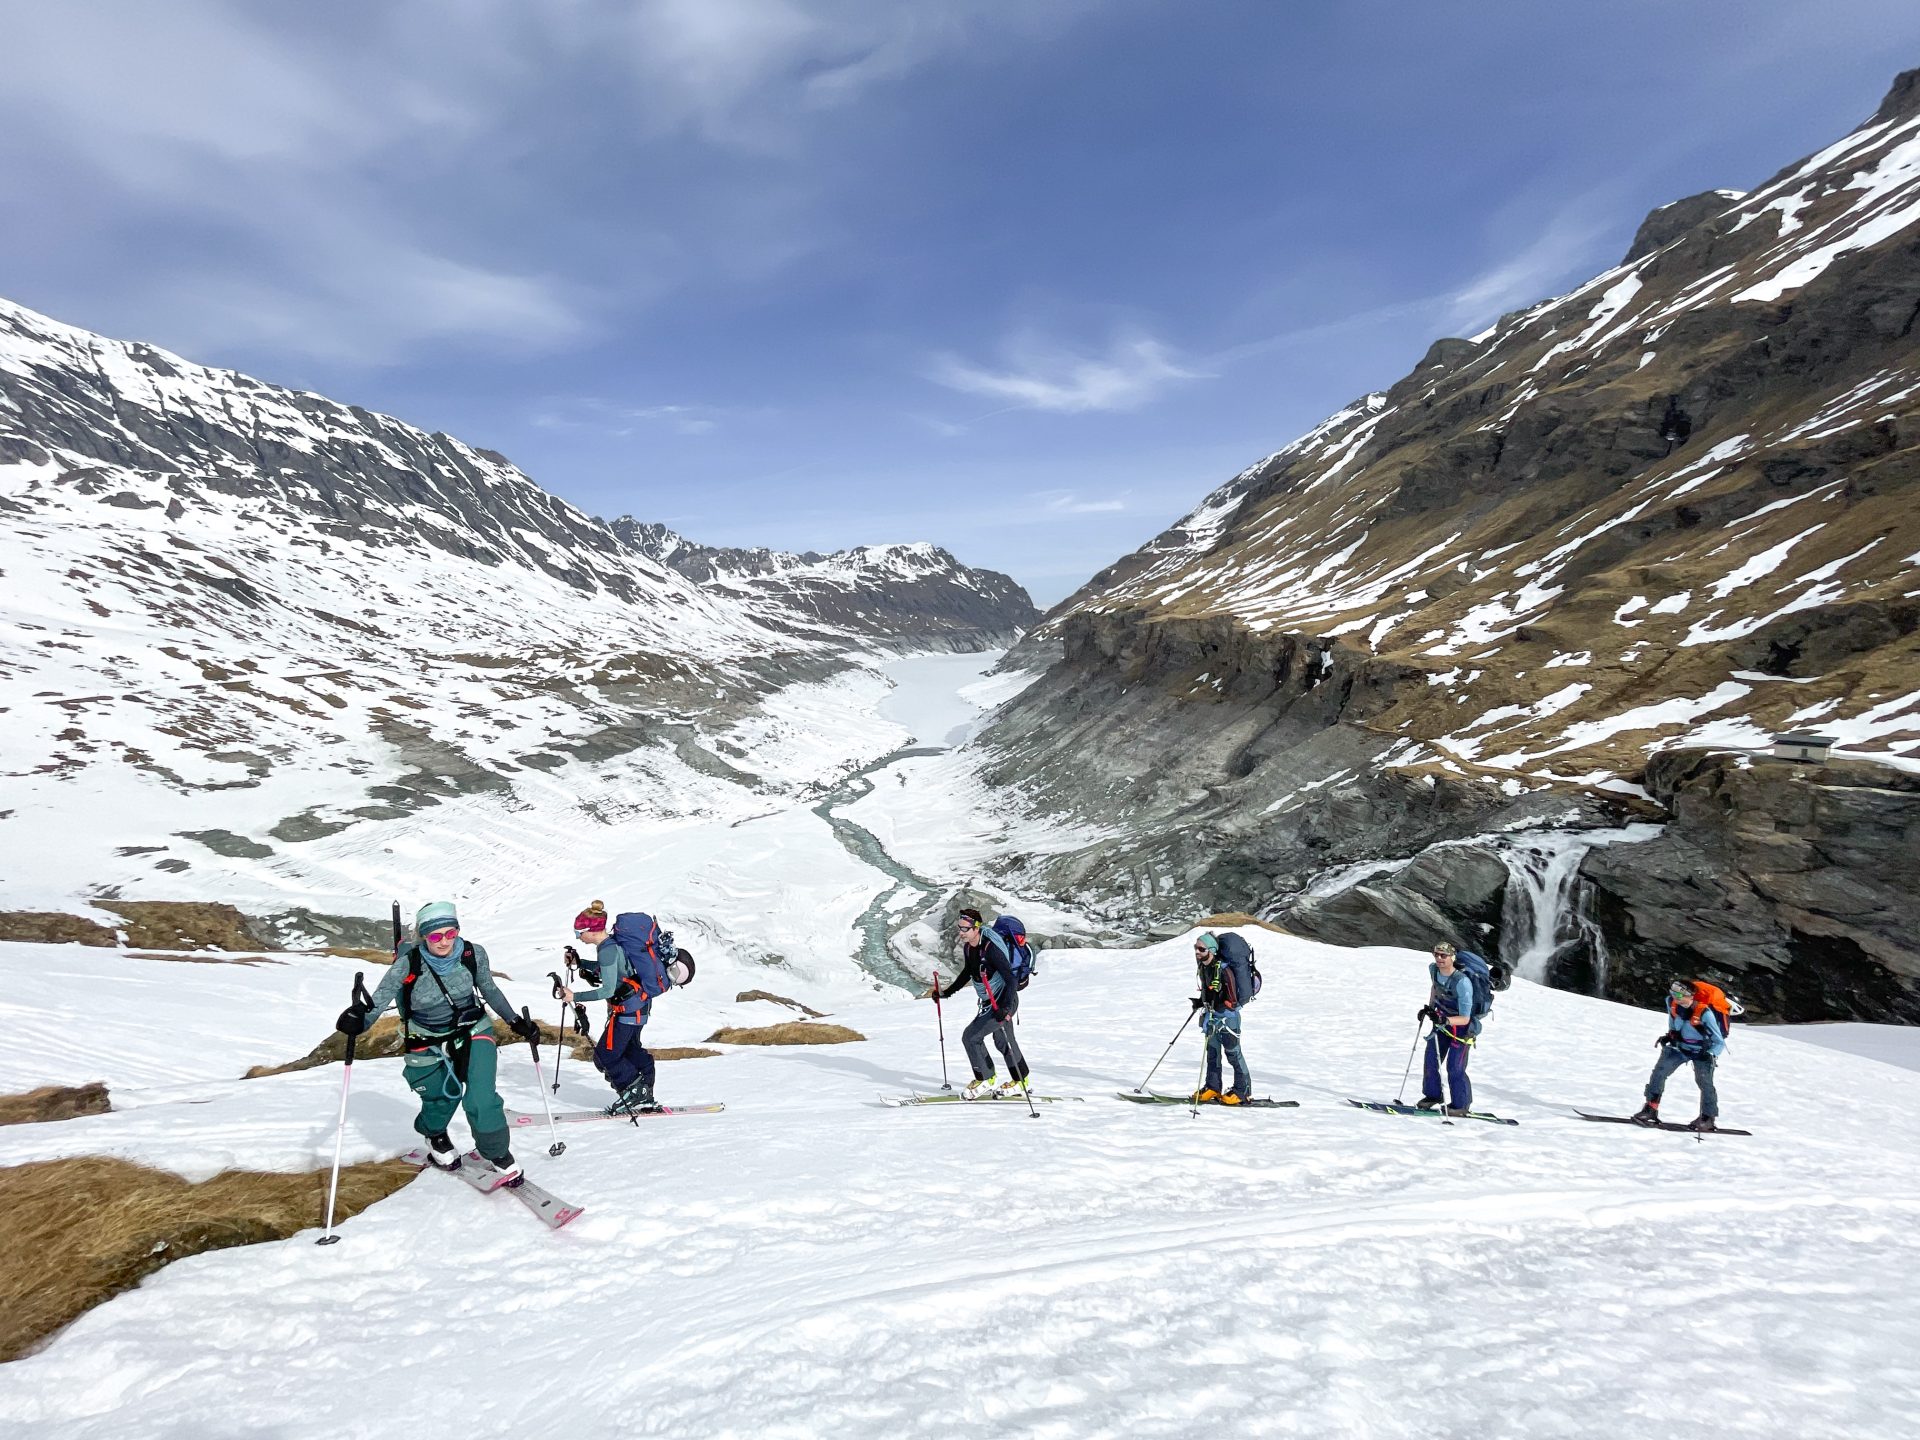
<point>1658,1125</point>
<point>1388,1107</point>
<point>479,1172</point>
<point>1263,1104</point>
<point>578,1117</point>
<point>984,1100</point>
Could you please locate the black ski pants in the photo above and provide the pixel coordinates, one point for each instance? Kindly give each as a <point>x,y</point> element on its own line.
<point>1000,1027</point>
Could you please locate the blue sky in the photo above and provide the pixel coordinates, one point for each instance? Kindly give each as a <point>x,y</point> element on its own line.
<point>1023,277</point>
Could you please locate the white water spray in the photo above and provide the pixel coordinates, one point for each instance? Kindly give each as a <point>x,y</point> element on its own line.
<point>1545,909</point>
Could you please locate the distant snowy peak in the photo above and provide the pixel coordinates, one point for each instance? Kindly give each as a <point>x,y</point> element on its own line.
<point>1682,500</point>
<point>905,595</point>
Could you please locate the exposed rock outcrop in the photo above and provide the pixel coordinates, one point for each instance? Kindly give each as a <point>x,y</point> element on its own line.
<point>1791,885</point>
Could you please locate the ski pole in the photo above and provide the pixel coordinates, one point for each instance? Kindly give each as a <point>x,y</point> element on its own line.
<point>559,1146</point>
<point>363,1002</point>
<point>1399,1096</point>
<point>1026,1083</point>
<point>1141,1088</point>
<point>941,1022</point>
<point>1205,1041</point>
<point>560,1027</point>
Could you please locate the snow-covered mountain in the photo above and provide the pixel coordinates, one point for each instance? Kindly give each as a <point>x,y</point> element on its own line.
<point>905,597</point>
<point>1675,506</point>
<point>241,620</point>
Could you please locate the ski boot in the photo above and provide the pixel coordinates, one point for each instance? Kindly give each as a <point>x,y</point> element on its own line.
<point>1428,1102</point>
<point>1454,1112</point>
<point>637,1096</point>
<point>508,1168</point>
<point>1704,1124</point>
<point>1205,1097</point>
<point>1647,1114</point>
<point>1011,1090</point>
<point>1232,1099</point>
<point>979,1089</point>
<point>440,1152</point>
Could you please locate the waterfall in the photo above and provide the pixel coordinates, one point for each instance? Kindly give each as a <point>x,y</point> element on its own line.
<point>1545,916</point>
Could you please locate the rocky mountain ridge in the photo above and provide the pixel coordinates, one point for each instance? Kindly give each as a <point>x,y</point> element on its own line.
<point>248,621</point>
<point>1675,506</point>
<point>911,597</point>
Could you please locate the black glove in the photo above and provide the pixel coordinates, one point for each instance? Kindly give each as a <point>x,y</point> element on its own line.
<point>573,955</point>
<point>1667,1037</point>
<point>352,1021</point>
<point>580,1025</point>
<point>1197,1003</point>
<point>525,1027</point>
<point>1426,1012</point>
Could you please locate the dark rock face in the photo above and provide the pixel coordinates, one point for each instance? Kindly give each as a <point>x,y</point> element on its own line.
<point>1668,223</point>
<point>1232,767</point>
<point>1792,886</point>
<point>912,597</point>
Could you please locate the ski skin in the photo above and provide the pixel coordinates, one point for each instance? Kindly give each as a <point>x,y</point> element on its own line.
<point>575,1117</point>
<point>1388,1107</point>
<point>1666,1125</point>
<point>1265,1104</point>
<point>480,1172</point>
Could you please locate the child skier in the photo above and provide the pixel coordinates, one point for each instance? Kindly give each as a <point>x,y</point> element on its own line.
<point>438,982</point>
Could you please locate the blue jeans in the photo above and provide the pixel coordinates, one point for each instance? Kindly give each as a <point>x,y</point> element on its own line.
<point>1223,1038</point>
<point>621,1057</point>
<point>1672,1057</point>
<point>1459,1088</point>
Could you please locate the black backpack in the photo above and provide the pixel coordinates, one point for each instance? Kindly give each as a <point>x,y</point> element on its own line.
<point>1236,958</point>
<point>464,1015</point>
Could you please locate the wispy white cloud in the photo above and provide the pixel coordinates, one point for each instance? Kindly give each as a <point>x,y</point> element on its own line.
<point>1529,274</point>
<point>1037,374</point>
<point>302,150</point>
<point>606,417</point>
<point>1066,502</point>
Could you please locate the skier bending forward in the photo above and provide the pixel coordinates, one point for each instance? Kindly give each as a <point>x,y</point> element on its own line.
<point>989,970</point>
<point>438,981</point>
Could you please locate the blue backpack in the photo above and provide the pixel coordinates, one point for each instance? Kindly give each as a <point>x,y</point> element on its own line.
<point>1236,958</point>
<point>1481,975</point>
<point>1019,952</point>
<point>648,948</point>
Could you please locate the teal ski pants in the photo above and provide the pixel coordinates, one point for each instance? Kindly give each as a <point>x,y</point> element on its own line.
<point>435,1075</point>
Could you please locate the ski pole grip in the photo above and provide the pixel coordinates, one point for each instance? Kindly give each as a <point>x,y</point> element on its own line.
<point>533,1044</point>
<point>362,1002</point>
<point>558,983</point>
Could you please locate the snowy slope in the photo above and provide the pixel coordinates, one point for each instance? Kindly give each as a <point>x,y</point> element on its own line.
<point>267,633</point>
<point>811,1263</point>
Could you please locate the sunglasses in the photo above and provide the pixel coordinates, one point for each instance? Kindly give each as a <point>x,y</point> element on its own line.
<point>443,932</point>
<point>965,925</point>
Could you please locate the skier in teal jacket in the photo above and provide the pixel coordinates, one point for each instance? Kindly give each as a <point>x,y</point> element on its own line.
<point>438,980</point>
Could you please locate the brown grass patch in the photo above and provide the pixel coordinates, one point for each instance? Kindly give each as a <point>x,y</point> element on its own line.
<point>184,925</point>
<point>81,1231</point>
<point>682,1052</point>
<point>793,1032</point>
<point>54,1102</point>
<point>46,927</point>
<point>383,1043</point>
<point>1233,919</point>
<point>807,1010</point>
